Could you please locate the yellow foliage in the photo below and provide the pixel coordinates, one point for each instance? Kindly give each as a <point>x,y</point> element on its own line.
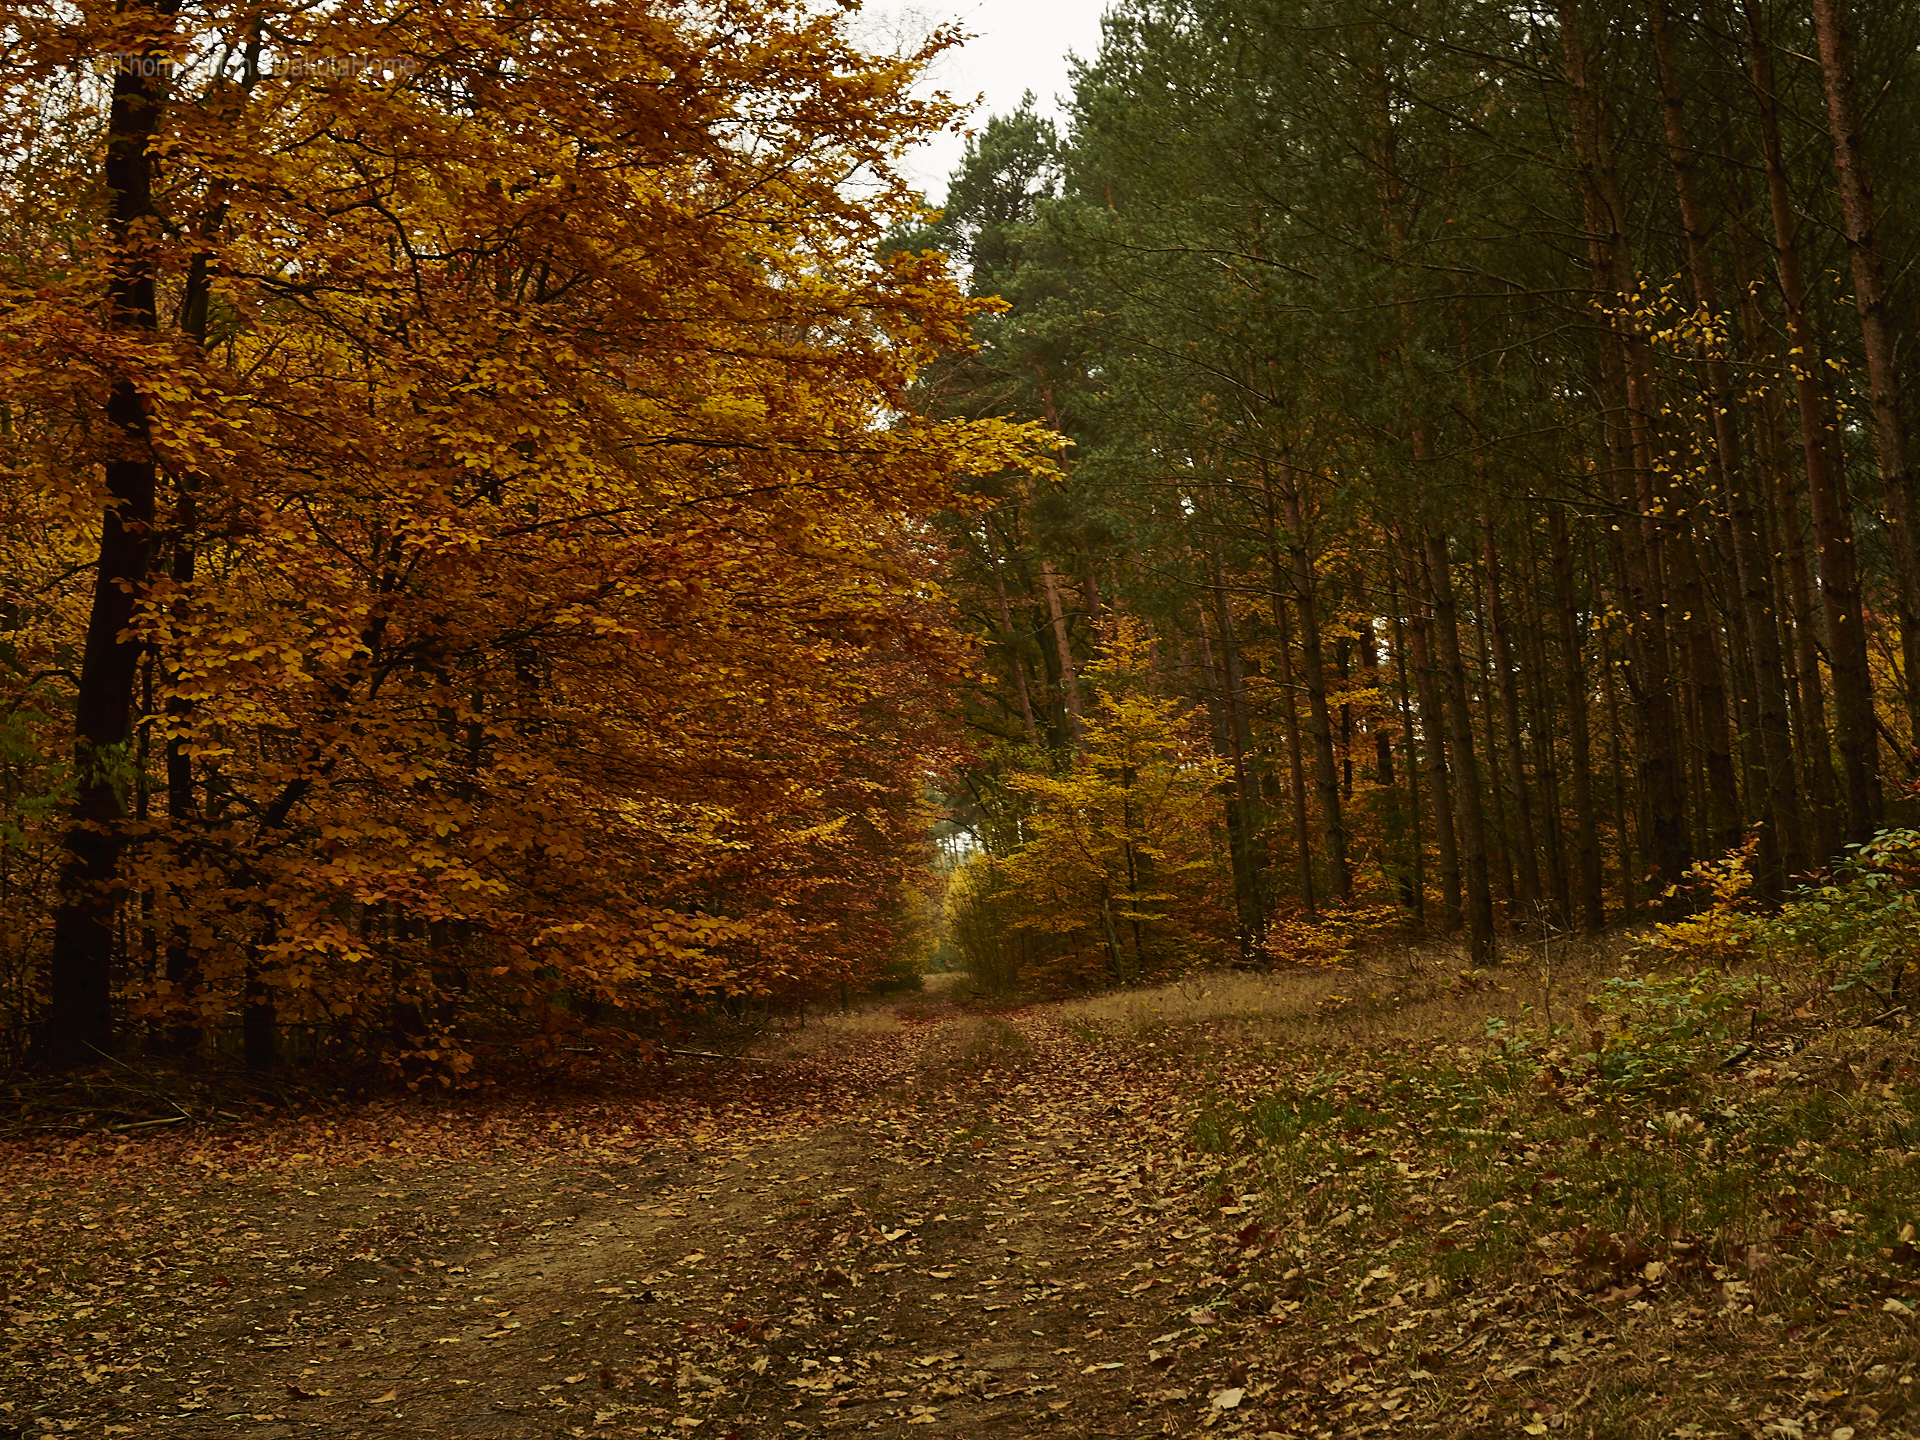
<point>1722,933</point>
<point>539,616</point>
<point>1118,863</point>
<point>1333,937</point>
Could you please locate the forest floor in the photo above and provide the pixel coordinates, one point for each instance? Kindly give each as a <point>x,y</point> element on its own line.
<point>1317,1205</point>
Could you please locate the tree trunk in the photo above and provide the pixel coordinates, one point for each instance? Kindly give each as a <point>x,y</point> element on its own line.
<point>1246,869</point>
<point>78,1026</point>
<point>1546,742</point>
<point>1624,839</point>
<point>1505,680</point>
<point>1779,807</point>
<point>1473,829</point>
<point>1433,729</point>
<point>1063,643</point>
<point>1587,839</point>
<point>1792,587</point>
<point>1290,725</point>
<point>1382,734</point>
<point>1876,330</point>
<point>1625,382</point>
<point>1231,789</point>
<point>1414,890</point>
<point>1500,834</point>
<point>1834,554</point>
<point>1320,722</point>
<point>1707,680</point>
<point>1012,642</point>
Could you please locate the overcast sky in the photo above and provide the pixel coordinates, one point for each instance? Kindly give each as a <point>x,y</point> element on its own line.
<point>1019,45</point>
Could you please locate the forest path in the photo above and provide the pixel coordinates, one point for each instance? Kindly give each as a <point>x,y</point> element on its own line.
<point>934,1223</point>
<point>928,1220</point>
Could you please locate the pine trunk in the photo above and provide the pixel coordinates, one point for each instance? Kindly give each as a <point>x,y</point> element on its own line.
<point>1063,644</point>
<point>1579,737</point>
<point>1778,804</point>
<point>1433,730</point>
<point>1326,773</point>
<point>1506,682</point>
<point>1011,642</point>
<point>1473,828</point>
<point>1860,218</point>
<point>1834,554</point>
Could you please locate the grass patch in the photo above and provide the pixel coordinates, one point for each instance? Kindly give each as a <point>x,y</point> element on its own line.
<point>1574,1196</point>
<point>972,1049</point>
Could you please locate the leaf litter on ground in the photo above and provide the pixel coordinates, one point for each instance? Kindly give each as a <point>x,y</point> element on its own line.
<point>971,1223</point>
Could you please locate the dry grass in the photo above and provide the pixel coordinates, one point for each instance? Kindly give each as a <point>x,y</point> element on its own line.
<point>814,1033</point>
<point>1392,996</point>
<point>1745,1216</point>
<point>1208,995</point>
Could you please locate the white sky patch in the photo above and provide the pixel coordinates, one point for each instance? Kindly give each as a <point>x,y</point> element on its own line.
<point>1018,45</point>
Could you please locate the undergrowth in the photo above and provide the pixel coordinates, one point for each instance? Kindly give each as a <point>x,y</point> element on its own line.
<point>1718,1142</point>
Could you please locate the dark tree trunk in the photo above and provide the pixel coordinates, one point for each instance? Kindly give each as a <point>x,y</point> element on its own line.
<point>1623,835</point>
<point>1876,329</point>
<point>1414,890</point>
<point>1540,705</point>
<point>1473,828</point>
<point>1433,730</point>
<point>1011,642</point>
<point>1246,869</point>
<point>1063,645</point>
<point>1854,732</point>
<point>1626,380</point>
<point>1779,805</point>
<point>1506,683</point>
<point>1290,723</point>
<point>1313,663</point>
<point>78,1026</point>
<point>1586,830</point>
<point>1500,849</point>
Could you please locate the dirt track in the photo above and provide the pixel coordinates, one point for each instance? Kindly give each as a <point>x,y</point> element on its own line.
<point>961,1225</point>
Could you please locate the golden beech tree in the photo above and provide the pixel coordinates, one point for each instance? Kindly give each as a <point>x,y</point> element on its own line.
<point>1118,865</point>
<point>462,494</point>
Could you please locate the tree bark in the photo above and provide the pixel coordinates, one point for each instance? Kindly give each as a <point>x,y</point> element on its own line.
<point>1433,730</point>
<point>1063,644</point>
<point>1623,836</point>
<point>1290,725</point>
<point>1278,587</point>
<point>1834,554</point>
<point>1580,740</point>
<point>1858,215</point>
<point>1473,829</point>
<point>1500,845</point>
<point>1539,704</point>
<point>1011,642</point>
<point>1505,680</point>
<point>1312,662</point>
<point>1791,587</point>
<point>1625,381</point>
<point>1246,868</point>
<point>1414,891</point>
<point>78,1026</point>
<point>1779,807</point>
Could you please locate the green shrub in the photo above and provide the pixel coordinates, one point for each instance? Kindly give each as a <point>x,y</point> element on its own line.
<point>1654,1032</point>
